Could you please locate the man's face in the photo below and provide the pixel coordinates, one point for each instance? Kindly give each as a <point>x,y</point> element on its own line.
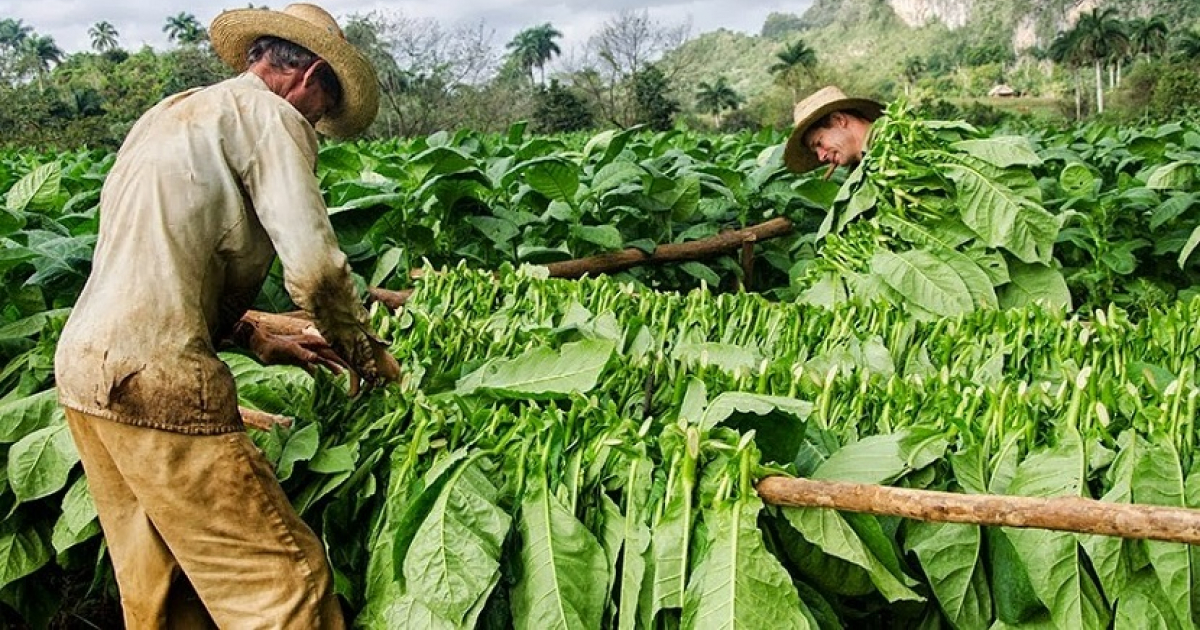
<point>836,143</point>
<point>309,98</point>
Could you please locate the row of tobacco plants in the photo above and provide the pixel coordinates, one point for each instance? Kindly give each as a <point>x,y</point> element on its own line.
<point>941,217</point>
<point>583,454</point>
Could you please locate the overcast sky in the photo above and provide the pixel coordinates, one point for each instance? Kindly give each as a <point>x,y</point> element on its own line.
<point>140,22</point>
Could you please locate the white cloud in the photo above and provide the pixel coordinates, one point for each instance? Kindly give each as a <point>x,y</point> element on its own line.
<point>140,23</point>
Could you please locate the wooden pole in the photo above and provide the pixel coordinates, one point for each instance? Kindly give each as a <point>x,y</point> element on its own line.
<point>729,241</point>
<point>1070,514</point>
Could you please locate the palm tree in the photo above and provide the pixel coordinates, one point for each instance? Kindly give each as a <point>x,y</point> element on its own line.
<point>1065,50</point>
<point>798,58</point>
<point>13,32</point>
<point>717,97</point>
<point>533,47</point>
<point>104,36</point>
<point>1187,45</point>
<point>1148,36</point>
<point>913,69</point>
<point>38,53</point>
<point>185,29</point>
<point>1101,38</point>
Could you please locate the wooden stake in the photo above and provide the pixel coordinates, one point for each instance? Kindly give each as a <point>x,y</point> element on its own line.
<point>1070,514</point>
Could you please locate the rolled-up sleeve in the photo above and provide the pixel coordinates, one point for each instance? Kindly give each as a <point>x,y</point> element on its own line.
<point>282,187</point>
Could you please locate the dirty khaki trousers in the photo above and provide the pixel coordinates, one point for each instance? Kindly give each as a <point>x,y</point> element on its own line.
<point>200,532</point>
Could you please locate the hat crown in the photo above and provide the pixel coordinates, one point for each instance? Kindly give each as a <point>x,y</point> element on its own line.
<point>816,101</point>
<point>316,16</point>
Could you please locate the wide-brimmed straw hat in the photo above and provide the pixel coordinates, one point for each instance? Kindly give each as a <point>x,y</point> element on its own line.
<point>797,156</point>
<point>232,33</point>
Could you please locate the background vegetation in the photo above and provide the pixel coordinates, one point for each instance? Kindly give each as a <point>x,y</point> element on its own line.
<point>1049,60</point>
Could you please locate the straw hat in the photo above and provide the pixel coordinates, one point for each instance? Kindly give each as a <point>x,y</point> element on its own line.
<point>232,33</point>
<point>797,156</point>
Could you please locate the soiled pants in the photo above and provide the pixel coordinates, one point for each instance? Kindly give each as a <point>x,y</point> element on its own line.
<point>199,531</point>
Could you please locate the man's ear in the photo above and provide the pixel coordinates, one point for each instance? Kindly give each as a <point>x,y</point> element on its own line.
<point>838,119</point>
<point>310,73</point>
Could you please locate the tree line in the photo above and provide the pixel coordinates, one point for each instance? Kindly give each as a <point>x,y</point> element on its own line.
<point>629,73</point>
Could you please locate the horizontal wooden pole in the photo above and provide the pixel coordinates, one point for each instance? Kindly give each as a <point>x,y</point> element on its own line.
<point>1070,514</point>
<point>700,249</point>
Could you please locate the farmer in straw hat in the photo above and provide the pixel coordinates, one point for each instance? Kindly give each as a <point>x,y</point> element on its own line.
<point>830,128</point>
<point>208,187</point>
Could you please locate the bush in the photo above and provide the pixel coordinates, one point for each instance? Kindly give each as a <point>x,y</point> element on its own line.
<point>558,109</point>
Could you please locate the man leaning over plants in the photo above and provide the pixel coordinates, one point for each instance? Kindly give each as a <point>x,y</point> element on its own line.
<point>209,186</point>
<point>829,128</point>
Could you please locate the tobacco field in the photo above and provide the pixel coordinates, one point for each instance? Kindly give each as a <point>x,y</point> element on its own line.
<point>1010,312</point>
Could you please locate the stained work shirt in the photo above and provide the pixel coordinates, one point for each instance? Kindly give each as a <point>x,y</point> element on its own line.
<point>208,187</point>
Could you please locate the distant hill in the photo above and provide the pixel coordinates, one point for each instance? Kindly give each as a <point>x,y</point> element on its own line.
<point>864,45</point>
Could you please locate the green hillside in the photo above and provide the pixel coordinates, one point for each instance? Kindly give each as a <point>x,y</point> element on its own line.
<point>865,46</point>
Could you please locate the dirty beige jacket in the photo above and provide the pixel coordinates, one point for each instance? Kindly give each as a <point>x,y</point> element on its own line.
<point>208,187</point>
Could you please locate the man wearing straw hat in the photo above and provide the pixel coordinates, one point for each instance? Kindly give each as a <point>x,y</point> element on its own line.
<point>209,186</point>
<point>830,128</point>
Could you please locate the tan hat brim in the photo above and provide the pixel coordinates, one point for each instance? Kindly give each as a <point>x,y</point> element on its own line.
<point>797,156</point>
<point>232,32</point>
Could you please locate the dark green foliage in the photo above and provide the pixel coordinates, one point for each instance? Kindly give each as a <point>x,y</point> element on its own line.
<point>558,109</point>
<point>780,26</point>
<point>655,108</point>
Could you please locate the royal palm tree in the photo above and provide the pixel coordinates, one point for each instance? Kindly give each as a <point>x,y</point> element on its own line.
<point>1187,46</point>
<point>38,53</point>
<point>104,36</point>
<point>534,46</point>
<point>913,69</point>
<point>716,97</point>
<point>1064,50</point>
<point>185,29</point>
<point>1148,36</point>
<point>795,60</point>
<point>13,32</point>
<point>1101,38</point>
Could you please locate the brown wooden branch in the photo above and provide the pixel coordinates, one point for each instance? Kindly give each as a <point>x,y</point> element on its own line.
<point>1071,514</point>
<point>262,420</point>
<point>724,242</point>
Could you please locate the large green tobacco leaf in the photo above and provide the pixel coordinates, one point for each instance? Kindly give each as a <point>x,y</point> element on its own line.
<point>1158,480</point>
<point>56,256</point>
<point>454,560</point>
<point>1001,217</point>
<point>1178,175</point>
<point>77,522</point>
<point>1110,555</point>
<point>405,611</point>
<point>22,550</point>
<point>557,180</point>
<point>739,584</point>
<point>20,417</point>
<point>828,530</point>
<point>40,463</point>
<point>882,459</point>
<point>925,280</point>
<point>950,556</point>
<point>542,372</point>
<point>1189,247</point>
<point>1031,283</point>
<point>1144,605</point>
<point>563,568</point>
<point>37,189</point>
<point>1001,151</point>
<point>1052,558</point>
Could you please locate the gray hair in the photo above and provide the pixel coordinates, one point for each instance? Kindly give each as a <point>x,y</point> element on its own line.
<point>285,55</point>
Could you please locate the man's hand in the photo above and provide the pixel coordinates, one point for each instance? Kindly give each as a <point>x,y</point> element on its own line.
<point>304,350</point>
<point>386,369</point>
